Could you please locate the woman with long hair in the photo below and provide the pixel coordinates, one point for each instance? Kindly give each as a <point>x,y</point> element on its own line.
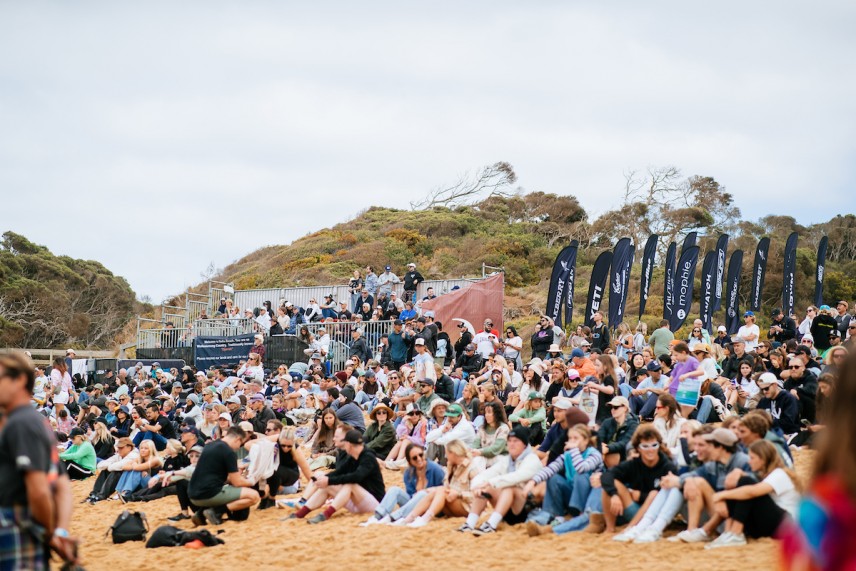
<point>513,347</point>
<point>668,420</point>
<point>778,362</point>
<point>61,385</point>
<point>137,474</point>
<point>469,400</point>
<point>411,430</point>
<point>603,385</point>
<point>380,433</point>
<point>623,341</point>
<point>636,362</point>
<point>253,368</point>
<point>101,439</point>
<point>455,497</point>
<point>743,387</point>
<point>322,446</point>
<point>492,436</point>
<point>639,338</point>
<point>757,508</point>
<point>696,337</point>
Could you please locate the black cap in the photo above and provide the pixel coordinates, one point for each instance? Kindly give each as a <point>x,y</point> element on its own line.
<point>520,433</point>
<point>76,432</point>
<point>354,437</point>
<point>776,312</point>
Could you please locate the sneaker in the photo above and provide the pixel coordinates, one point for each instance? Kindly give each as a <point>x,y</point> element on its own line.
<point>178,517</point>
<point>418,522</point>
<point>212,516</point>
<point>727,539</point>
<point>198,518</point>
<point>533,529</point>
<point>465,528</point>
<point>697,535</point>
<point>648,536</point>
<point>371,521</point>
<point>628,534</point>
<point>320,518</point>
<point>266,503</point>
<point>291,504</point>
<point>484,529</point>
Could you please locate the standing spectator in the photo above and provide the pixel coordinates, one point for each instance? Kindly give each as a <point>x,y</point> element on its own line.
<point>821,327</point>
<point>749,331</point>
<point>542,339</point>
<point>355,286</point>
<point>661,338</point>
<point>371,282</point>
<point>599,333</point>
<point>412,279</point>
<point>385,281</point>
<point>843,319</point>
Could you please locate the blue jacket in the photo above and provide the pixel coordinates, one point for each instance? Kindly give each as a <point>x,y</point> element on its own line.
<point>398,345</point>
<point>434,474</point>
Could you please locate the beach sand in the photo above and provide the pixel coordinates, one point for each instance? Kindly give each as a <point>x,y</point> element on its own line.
<point>264,542</point>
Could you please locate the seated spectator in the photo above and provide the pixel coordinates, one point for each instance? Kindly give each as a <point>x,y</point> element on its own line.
<point>533,416</point>
<point>102,441</point>
<point>380,434</point>
<point>668,420</point>
<point>502,485</point>
<point>80,458</point>
<point>137,474</point>
<point>755,426</point>
<point>112,469</point>
<point>356,486</point>
<point>615,432</point>
<point>492,436</point>
<point>758,507</point>
<point>413,428</point>
<point>782,405</point>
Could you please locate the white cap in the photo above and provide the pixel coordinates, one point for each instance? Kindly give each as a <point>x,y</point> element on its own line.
<point>721,329</point>
<point>419,341</point>
<point>411,264</point>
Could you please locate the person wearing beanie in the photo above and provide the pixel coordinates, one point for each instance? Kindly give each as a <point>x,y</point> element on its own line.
<point>502,485</point>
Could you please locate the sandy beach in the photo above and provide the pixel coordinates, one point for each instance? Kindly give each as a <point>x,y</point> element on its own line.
<point>264,542</point>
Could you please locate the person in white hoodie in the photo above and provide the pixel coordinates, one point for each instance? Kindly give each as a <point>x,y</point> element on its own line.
<point>502,485</point>
<point>456,427</point>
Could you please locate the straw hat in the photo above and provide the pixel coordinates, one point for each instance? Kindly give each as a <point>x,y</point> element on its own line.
<point>703,348</point>
<point>390,414</point>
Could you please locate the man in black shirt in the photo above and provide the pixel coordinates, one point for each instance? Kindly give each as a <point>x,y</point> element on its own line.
<point>159,429</point>
<point>411,280</point>
<point>356,486</point>
<point>217,485</point>
<point>35,498</point>
<point>782,328</point>
<point>599,333</point>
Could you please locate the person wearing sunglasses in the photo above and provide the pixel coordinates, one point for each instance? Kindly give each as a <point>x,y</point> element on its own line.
<point>640,474</point>
<point>782,405</point>
<point>696,337</point>
<point>802,384</point>
<point>285,458</point>
<point>420,476</point>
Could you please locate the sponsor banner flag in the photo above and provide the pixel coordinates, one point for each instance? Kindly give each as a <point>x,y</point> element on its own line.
<point>708,276</point>
<point>732,310</point>
<point>789,274</point>
<point>669,283</point>
<point>759,270</point>
<point>619,280</point>
<point>818,274</point>
<point>562,267</point>
<point>683,287</point>
<point>597,285</point>
<point>721,252</point>
<point>569,288</point>
<point>689,242</point>
<point>647,271</point>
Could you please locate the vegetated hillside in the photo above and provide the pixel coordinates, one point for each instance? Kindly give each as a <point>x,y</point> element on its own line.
<point>524,233</point>
<point>49,301</point>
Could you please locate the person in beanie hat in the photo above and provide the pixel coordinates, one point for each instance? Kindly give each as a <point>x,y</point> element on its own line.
<point>502,485</point>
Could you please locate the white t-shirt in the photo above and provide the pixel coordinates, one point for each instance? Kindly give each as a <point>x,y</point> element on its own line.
<point>784,493</point>
<point>750,330</point>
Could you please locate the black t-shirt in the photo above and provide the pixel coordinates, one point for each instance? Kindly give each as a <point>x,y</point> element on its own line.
<point>26,444</point>
<point>167,430</point>
<point>217,461</point>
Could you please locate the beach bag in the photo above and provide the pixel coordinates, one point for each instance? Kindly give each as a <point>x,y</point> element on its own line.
<point>171,536</point>
<point>129,526</point>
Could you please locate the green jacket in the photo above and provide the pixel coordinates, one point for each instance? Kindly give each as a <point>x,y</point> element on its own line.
<point>84,455</point>
<point>534,416</point>
<point>380,441</point>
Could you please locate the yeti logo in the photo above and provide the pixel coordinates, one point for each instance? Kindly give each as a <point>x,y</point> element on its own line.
<point>681,314</point>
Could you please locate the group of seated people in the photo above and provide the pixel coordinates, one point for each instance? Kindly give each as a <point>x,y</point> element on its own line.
<point>584,442</point>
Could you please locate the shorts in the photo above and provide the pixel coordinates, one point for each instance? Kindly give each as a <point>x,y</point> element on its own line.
<point>630,512</point>
<point>226,495</point>
<point>61,398</point>
<point>367,505</point>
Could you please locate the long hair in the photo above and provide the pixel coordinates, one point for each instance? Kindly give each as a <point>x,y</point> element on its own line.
<point>668,401</point>
<point>326,434</point>
<point>771,460</point>
<point>584,431</point>
<point>499,417</point>
<point>59,365</point>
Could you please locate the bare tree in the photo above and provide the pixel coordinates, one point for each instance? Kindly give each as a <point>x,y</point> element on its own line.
<point>492,180</point>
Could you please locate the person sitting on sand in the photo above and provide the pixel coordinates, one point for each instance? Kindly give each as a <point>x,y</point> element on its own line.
<point>112,469</point>
<point>180,479</point>
<point>80,458</point>
<point>322,447</point>
<point>568,475</point>
<point>216,485</point>
<point>136,475</point>
<point>455,498</point>
<point>356,486</point>
<point>380,434</point>
<point>491,440</point>
<point>627,488</point>
<point>412,429</point>
<point>420,476</point>
<point>288,464</point>
<point>757,508</point>
<point>502,485</point>
<point>456,427</point>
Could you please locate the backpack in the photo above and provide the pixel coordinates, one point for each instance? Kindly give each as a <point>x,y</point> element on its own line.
<point>129,526</point>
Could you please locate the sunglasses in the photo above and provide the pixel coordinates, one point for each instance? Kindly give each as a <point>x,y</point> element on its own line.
<point>794,367</point>
<point>416,457</point>
<point>383,412</point>
<point>765,389</point>
<point>658,407</point>
<point>414,413</point>
<point>268,430</point>
<point>651,446</point>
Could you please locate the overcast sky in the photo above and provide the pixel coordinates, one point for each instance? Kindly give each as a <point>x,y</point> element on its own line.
<point>158,137</point>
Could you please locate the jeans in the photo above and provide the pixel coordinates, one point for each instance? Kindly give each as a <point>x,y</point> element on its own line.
<point>643,406</point>
<point>362,398</point>
<point>625,390</point>
<point>704,410</point>
<point>160,441</point>
<point>397,497</point>
<point>666,505</point>
<point>131,481</point>
<point>581,491</point>
<point>593,504</point>
<point>557,495</point>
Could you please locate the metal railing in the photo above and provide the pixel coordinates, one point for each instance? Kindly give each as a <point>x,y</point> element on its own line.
<point>252,298</point>
<point>222,327</point>
<point>216,292</point>
<point>341,339</point>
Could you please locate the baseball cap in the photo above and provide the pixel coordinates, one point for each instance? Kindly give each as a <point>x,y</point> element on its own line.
<point>563,404</point>
<point>76,432</point>
<point>470,347</point>
<point>520,433</point>
<point>585,343</point>
<point>835,333</point>
<point>429,382</point>
<point>577,353</point>
<point>233,400</point>
<point>454,410</point>
<point>353,437</point>
<point>721,329</point>
<point>809,337</point>
<point>618,401</point>
<point>749,314</point>
<point>766,379</point>
<point>738,339</point>
<point>419,341</point>
<point>98,386</point>
<point>722,436</point>
<point>654,366</point>
<point>257,398</point>
<point>777,311</point>
<point>535,395</point>
<point>411,264</point>
<point>824,308</point>
<point>177,385</point>
<point>225,416</point>
<point>573,374</point>
<point>198,449</point>
<point>387,268</point>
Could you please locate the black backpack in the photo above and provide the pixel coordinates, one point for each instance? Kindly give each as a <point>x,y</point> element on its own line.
<point>129,526</point>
